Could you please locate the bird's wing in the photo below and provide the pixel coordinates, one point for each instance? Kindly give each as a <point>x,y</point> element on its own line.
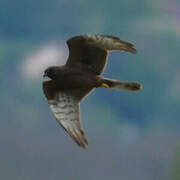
<point>66,109</point>
<point>89,52</point>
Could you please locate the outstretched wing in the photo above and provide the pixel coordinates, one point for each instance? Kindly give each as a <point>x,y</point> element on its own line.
<point>89,52</point>
<point>66,108</point>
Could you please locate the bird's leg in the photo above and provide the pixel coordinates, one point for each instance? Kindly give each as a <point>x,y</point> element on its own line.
<point>105,85</point>
<point>101,83</point>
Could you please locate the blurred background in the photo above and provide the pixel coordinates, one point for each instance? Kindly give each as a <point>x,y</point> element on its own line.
<point>131,135</point>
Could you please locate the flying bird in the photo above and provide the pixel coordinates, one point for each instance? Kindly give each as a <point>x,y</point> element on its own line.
<point>71,83</point>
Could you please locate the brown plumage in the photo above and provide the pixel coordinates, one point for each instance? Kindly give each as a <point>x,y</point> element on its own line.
<point>70,83</point>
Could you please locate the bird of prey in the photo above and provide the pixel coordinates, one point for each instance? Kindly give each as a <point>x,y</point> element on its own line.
<point>71,83</point>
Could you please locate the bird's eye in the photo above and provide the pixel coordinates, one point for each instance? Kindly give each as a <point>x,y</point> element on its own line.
<point>50,72</point>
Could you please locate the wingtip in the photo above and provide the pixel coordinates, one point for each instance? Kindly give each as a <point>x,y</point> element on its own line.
<point>79,138</point>
<point>84,146</point>
<point>126,46</point>
<point>83,143</point>
<point>133,50</point>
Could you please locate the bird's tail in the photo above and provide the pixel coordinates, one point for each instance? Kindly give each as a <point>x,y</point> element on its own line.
<point>120,85</point>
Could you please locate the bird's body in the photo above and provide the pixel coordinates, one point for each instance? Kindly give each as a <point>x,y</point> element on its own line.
<point>70,83</point>
<point>74,78</point>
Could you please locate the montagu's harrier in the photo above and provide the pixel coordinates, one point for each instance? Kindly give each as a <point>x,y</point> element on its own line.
<point>73,81</point>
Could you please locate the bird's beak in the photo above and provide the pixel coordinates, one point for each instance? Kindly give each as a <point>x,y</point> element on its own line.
<point>44,75</point>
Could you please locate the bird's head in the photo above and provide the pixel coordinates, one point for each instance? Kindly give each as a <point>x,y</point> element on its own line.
<point>50,72</point>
